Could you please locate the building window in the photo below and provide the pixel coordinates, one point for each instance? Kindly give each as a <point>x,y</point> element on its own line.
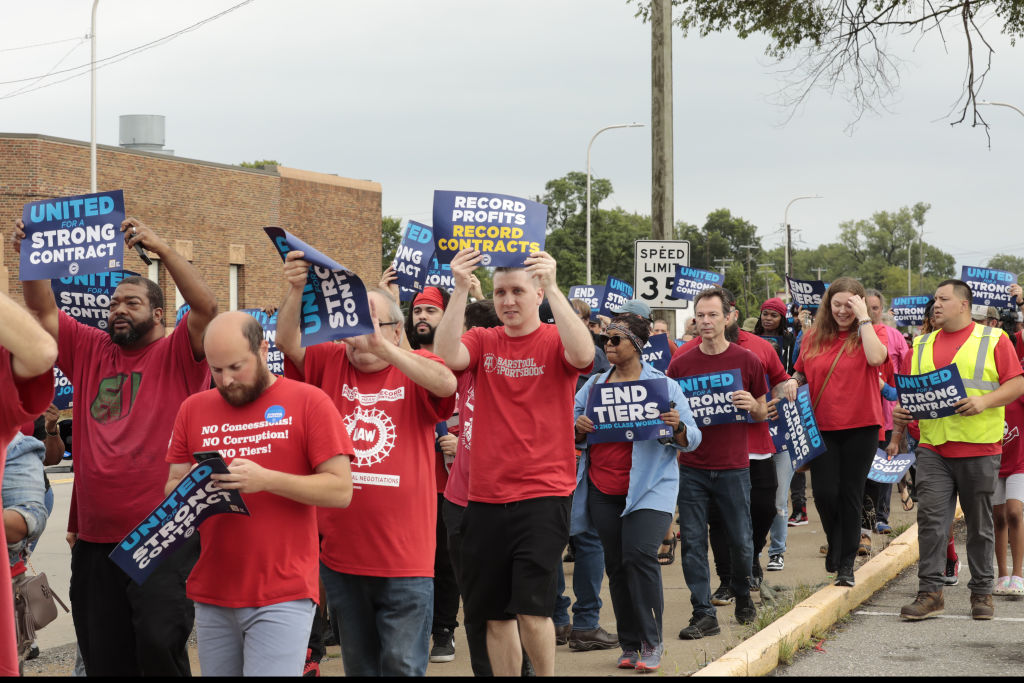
<point>233,287</point>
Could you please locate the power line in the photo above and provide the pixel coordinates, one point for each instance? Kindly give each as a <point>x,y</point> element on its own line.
<point>29,47</point>
<point>52,69</point>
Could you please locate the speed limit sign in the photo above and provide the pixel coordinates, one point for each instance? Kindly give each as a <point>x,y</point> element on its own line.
<point>654,271</point>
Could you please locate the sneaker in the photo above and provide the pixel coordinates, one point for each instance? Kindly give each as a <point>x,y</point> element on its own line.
<point>883,528</point>
<point>594,639</point>
<point>844,577</point>
<point>981,606</point>
<point>865,545</point>
<point>925,605</point>
<point>1016,587</point>
<point>33,652</point>
<point>723,596</point>
<point>776,563</point>
<point>1002,586</point>
<point>952,575</point>
<point>746,612</point>
<point>444,647</point>
<point>628,659</point>
<point>700,626</point>
<point>562,634</point>
<point>312,668</point>
<point>650,658</point>
<point>798,518</point>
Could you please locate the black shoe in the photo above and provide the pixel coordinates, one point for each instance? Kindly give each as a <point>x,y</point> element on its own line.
<point>746,612</point>
<point>845,577</point>
<point>723,596</point>
<point>562,634</point>
<point>700,626</point>
<point>594,639</point>
<point>754,582</point>
<point>444,647</point>
<point>33,652</point>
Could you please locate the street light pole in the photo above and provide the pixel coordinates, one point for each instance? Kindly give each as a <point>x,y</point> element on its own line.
<point>92,107</point>
<point>618,125</point>
<point>789,235</point>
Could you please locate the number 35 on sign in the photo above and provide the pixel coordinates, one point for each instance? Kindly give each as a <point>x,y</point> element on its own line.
<point>654,271</point>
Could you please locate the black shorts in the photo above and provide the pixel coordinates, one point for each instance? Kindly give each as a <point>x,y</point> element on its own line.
<point>511,554</point>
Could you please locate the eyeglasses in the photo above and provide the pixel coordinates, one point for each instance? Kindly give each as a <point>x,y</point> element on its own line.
<point>393,322</point>
<point>614,341</point>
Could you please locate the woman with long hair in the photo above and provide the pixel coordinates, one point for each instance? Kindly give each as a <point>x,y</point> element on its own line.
<point>839,360</point>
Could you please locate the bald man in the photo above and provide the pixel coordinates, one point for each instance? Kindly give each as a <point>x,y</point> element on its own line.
<point>287,452</point>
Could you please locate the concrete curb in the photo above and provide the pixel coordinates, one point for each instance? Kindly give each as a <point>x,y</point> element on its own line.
<point>759,654</point>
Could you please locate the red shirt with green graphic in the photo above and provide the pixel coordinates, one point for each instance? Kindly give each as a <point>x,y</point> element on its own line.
<point>123,412</point>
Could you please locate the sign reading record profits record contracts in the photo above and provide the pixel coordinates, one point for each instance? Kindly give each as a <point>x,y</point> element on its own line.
<point>72,236</point>
<point>506,230</point>
<point>654,271</point>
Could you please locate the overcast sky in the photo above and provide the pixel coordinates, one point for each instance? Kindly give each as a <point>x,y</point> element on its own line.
<point>504,95</point>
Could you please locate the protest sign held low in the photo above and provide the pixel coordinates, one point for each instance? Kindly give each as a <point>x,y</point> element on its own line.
<point>795,430</point>
<point>886,471</point>
<point>412,259</point>
<point>334,302</point>
<point>806,293</point>
<point>710,397</point>
<point>628,411</point>
<point>909,310</point>
<point>193,500</point>
<point>931,395</point>
<point>275,358</point>
<point>72,236</point>
<point>592,294</point>
<point>505,229</point>
<point>616,293</point>
<point>656,352</point>
<point>692,281</point>
<point>989,287</point>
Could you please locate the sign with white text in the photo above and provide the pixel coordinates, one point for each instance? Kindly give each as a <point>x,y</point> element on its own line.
<point>692,281</point>
<point>72,236</point>
<point>931,395</point>
<point>616,294</point>
<point>886,471</point>
<point>628,411</point>
<point>796,430</point>
<point>654,271</point>
<point>657,352</point>
<point>989,287</point>
<point>909,310</point>
<point>710,397</point>
<point>806,293</point>
<point>505,229</point>
<point>413,256</point>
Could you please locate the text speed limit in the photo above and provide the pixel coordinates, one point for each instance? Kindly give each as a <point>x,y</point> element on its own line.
<point>654,271</point>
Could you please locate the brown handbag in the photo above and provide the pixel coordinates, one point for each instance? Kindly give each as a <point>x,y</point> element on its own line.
<point>821,391</point>
<point>34,607</point>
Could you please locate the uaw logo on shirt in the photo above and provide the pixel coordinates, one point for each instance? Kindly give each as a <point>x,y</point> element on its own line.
<point>373,437</point>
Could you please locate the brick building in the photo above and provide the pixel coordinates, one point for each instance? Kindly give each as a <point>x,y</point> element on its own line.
<point>213,214</point>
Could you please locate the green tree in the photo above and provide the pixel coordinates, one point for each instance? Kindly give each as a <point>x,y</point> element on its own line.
<point>1008,262</point>
<point>390,238</point>
<point>721,243</point>
<point>263,163</point>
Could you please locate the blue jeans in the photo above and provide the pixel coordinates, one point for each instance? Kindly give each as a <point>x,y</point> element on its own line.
<point>24,489</point>
<point>383,623</point>
<point>780,527</point>
<point>730,491</point>
<point>586,584</point>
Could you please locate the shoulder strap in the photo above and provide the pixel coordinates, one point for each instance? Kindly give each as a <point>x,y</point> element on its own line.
<point>825,383</point>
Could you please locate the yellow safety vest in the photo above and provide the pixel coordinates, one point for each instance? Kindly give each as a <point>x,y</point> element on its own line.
<point>976,361</point>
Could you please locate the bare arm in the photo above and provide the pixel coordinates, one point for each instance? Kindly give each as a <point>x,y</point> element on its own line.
<point>289,338</point>
<point>448,336</point>
<point>38,293</point>
<point>33,349</point>
<point>54,444</point>
<point>175,475</point>
<point>579,345</point>
<point>331,486</point>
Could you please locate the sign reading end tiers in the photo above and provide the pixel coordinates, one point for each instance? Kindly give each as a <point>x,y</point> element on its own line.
<point>654,271</point>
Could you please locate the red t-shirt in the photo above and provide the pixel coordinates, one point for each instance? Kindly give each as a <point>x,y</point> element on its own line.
<point>725,446</point>
<point>125,403</point>
<point>278,541</point>
<point>389,529</point>
<point>524,389</point>
<point>608,465</point>
<point>457,488</point>
<point>852,396</point>
<point>760,438</point>
<point>1012,461</point>
<point>21,402</point>
<point>1008,366</point>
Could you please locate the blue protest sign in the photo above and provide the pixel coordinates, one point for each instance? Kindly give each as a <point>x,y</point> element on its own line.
<point>656,352</point>
<point>795,430</point>
<point>176,519</point>
<point>334,302</point>
<point>931,395</point>
<point>505,229</point>
<point>86,298</point>
<point>628,411</point>
<point>806,293</point>
<point>72,236</point>
<point>692,281</point>
<point>275,358</point>
<point>988,287</point>
<point>710,397</point>
<point>440,275</point>
<point>63,394</point>
<point>413,256</point>
<point>616,293</point>
<point>592,294</point>
<point>886,471</point>
<point>909,310</point>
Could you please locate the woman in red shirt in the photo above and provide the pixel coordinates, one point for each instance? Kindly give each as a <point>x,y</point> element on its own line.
<point>838,361</point>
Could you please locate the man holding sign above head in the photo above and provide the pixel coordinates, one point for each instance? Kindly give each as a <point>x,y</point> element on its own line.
<point>522,470</point>
<point>959,455</point>
<point>724,383</point>
<point>292,454</point>
<point>377,558</point>
<point>129,381</point>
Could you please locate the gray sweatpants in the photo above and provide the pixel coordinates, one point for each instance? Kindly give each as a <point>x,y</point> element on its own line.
<point>254,641</point>
<point>939,480</point>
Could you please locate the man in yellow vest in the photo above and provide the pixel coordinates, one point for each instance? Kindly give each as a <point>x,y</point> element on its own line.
<point>959,454</point>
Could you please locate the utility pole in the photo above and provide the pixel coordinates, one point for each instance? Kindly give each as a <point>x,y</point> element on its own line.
<point>721,264</point>
<point>766,270</point>
<point>746,291</point>
<point>818,271</point>
<point>662,218</point>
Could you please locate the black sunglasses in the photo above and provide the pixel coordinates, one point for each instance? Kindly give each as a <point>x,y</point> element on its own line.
<point>614,341</point>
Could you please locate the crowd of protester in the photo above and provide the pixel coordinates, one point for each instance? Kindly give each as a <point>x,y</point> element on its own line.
<point>444,459</point>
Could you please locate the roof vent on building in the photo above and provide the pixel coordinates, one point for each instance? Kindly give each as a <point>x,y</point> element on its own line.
<point>143,132</point>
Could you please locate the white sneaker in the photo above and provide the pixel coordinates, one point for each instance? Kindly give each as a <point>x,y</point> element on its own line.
<point>1016,586</point>
<point>1002,586</point>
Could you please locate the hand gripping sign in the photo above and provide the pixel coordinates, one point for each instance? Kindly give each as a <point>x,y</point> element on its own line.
<point>505,229</point>
<point>692,281</point>
<point>931,395</point>
<point>193,500</point>
<point>795,430</point>
<point>989,287</point>
<point>886,471</point>
<point>334,302</point>
<point>628,411</point>
<point>710,397</point>
<point>72,236</point>
<point>806,293</point>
